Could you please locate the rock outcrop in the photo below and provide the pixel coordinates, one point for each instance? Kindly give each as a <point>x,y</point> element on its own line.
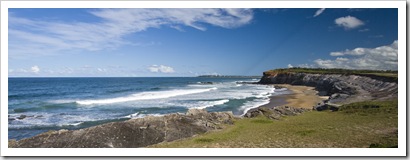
<point>132,133</point>
<point>274,113</point>
<point>342,89</point>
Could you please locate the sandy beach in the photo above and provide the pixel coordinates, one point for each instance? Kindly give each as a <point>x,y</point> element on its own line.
<point>300,96</point>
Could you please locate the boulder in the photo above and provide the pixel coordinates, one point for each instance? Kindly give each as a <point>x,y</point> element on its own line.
<point>275,113</point>
<point>21,117</point>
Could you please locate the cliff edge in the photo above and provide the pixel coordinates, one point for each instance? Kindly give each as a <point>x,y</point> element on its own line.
<point>342,87</point>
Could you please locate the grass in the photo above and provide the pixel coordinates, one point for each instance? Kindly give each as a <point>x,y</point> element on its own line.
<point>356,125</point>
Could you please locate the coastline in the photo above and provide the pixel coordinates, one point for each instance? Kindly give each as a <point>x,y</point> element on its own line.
<point>299,97</point>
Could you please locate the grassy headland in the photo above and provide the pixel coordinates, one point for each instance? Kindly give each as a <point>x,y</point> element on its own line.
<point>363,124</point>
<point>378,73</point>
<point>355,125</point>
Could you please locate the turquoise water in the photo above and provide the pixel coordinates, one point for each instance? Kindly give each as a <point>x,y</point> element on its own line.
<point>73,103</point>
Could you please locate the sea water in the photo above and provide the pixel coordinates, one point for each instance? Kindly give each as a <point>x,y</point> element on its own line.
<point>37,105</point>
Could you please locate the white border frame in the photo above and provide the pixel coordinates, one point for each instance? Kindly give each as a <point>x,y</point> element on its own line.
<point>400,151</point>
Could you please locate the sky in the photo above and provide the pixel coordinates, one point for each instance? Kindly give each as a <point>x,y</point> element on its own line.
<point>192,42</point>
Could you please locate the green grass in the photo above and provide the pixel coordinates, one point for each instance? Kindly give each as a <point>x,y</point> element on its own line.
<point>356,125</point>
<point>370,107</point>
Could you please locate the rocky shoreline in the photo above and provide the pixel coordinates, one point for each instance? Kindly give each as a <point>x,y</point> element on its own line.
<point>132,133</point>
<point>341,89</point>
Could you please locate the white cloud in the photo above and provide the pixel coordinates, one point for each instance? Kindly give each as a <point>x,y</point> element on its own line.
<point>101,70</point>
<point>381,58</point>
<point>290,66</point>
<point>354,52</point>
<point>35,69</point>
<point>336,54</point>
<point>319,11</point>
<point>42,37</point>
<point>349,22</point>
<point>161,69</point>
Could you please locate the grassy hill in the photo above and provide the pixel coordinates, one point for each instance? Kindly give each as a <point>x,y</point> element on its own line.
<point>356,125</point>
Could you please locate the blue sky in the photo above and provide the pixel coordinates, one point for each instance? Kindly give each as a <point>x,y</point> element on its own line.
<point>191,42</point>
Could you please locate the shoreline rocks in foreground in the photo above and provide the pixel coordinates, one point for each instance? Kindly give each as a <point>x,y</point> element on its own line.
<point>132,133</point>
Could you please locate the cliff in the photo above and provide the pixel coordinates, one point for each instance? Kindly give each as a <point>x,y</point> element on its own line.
<point>342,88</point>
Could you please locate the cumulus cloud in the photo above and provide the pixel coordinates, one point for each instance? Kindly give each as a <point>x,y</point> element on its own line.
<point>42,37</point>
<point>318,12</point>
<point>35,69</point>
<point>349,22</point>
<point>290,66</point>
<point>161,69</point>
<point>381,58</point>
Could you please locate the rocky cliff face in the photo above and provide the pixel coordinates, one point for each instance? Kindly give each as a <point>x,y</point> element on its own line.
<point>132,133</point>
<point>342,89</point>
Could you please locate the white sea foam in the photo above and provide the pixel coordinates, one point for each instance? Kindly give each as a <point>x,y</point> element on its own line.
<point>76,124</point>
<point>140,115</point>
<point>199,86</point>
<point>254,104</point>
<point>281,89</point>
<point>145,96</point>
<point>132,115</point>
<point>263,98</point>
<point>59,101</point>
<point>71,124</point>
<point>214,103</point>
<point>51,120</point>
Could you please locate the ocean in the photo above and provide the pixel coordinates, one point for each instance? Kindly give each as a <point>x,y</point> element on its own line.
<point>37,105</point>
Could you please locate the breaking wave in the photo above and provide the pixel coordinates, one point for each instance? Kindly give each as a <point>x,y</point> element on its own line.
<point>145,96</point>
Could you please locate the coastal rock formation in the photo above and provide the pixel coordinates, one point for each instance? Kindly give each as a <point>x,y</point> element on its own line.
<point>131,133</point>
<point>342,89</point>
<point>274,113</point>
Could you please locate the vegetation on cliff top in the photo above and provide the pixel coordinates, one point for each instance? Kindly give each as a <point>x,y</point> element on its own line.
<point>379,73</point>
<point>356,125</point>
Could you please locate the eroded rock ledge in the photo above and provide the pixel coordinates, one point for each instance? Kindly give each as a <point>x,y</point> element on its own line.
<point>341,89</point>
<point>132,133</point>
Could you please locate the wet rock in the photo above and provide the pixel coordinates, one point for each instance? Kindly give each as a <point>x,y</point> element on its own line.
<point>21,117</point>
<point>206,83</point>
<point>39,116</point>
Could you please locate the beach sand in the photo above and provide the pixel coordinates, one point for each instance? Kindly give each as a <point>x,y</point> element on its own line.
<point>300,97</point>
